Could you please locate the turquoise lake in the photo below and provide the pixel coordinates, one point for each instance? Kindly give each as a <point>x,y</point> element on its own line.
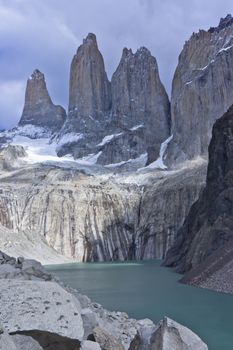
<point>147,290</point>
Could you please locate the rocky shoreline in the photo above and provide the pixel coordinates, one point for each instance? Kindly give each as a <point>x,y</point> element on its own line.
<point>38,312</point>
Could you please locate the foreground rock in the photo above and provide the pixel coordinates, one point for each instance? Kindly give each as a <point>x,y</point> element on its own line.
<point>39,109</point>
<point>6,341</point>
<point>202,90</point>
<point>90,345</point>
<point>41,306</point>
<point>171,335</point>
<point>208,228</point>
<point>106,340</point>
<point>39,314</point>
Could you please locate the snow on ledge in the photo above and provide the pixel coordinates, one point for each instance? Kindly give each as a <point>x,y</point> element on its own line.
<point>29,130</point>
<point>71,137</point>
<point>108,138</point>
<point>136,127</point>
<point>142,158</point>
<point>159,164</point>
<point>91,159</point>
<point>225,49</point>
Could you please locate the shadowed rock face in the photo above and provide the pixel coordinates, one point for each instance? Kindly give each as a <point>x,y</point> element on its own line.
<point>209,225</point>
<point>39,109</point>
<point>45,340</point>
<point>202,90</point>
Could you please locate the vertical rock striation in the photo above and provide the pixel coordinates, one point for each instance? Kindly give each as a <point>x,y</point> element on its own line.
<point>39,109</point>
<point>91,218</point>
<point>202,90</point>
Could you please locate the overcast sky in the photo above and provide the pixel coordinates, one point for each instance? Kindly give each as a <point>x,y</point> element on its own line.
<point>45,34</point>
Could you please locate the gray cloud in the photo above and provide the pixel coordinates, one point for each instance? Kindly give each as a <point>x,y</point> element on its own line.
<point>46,34</point>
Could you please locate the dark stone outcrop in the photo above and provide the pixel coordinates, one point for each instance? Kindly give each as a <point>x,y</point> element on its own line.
<point>39,109</point>
<point>202,91</point>
<point>46,340</point>
<point>209,225</point>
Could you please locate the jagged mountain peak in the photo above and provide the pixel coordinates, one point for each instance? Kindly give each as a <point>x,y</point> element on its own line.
<point>223,24</point>
<point>126,52</point>
<point>143,51</point>
<point>90,39</point>
<point>39,109</point>
<point>37,74</point>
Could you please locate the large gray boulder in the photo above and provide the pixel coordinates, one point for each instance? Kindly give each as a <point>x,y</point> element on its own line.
<point>25,342</point>
<point>170,335</point>
<point>41,306</point>
<point>39,109</point>
<point>6,342</point>
<point>90,345</point>
<point>202,90</point>
<point>106,340</point>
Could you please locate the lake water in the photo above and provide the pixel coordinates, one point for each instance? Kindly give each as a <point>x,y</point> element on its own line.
<point>146,290</point>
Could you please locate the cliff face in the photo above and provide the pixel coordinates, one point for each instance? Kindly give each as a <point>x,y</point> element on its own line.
<point>209,225</point>
<point>202,90</point>
<point>39,109</point>
<point>163,208</point>
<point>120,121</point>
<point>92,219</point>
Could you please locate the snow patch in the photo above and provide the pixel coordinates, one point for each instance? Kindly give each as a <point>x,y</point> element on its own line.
<point>225,49</point>
<point>108,138</point>
<point>44,151</point>
<point>204,68</point>
<point>30,131</point>
<point>136,127</point>
<point>91,159</point>
<point>141,159</point>
<point>159,164</point>
<point>69,138</point>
